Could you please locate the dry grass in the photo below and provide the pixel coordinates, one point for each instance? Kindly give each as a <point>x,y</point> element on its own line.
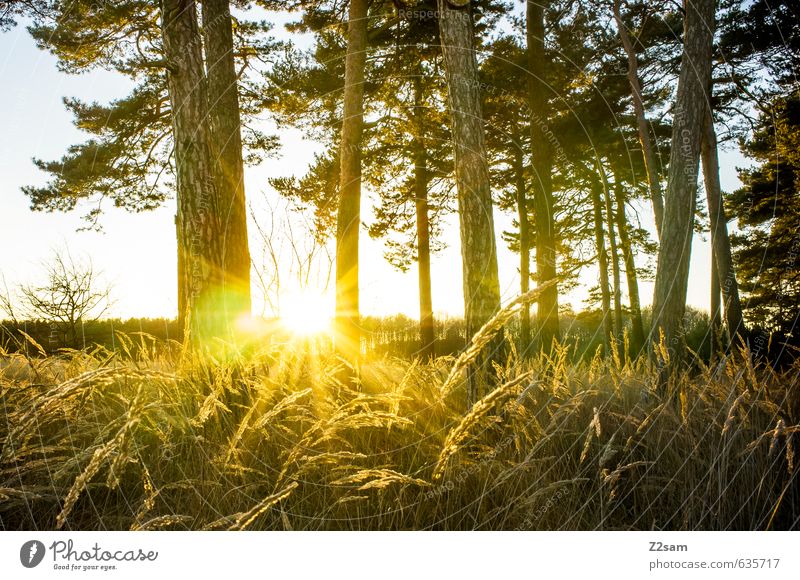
<point>153,438</point>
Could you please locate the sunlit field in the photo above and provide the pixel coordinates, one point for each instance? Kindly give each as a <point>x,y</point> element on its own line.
<point>371,265</point>
<point>154,437</point>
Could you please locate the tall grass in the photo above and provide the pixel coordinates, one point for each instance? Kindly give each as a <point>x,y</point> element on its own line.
<point>153,437</point>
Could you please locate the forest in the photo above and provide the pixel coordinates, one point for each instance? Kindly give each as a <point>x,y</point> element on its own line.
<point>582,144</point>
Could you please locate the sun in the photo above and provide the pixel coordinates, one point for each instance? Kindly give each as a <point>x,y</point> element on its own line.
<point>305,313</point>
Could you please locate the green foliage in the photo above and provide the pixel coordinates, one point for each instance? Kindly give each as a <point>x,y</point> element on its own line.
<point>123,163</point>
<point>764,34</point>
<point>127,159</point>
<point>767,210</point>
<point>411,137</point>
<point>316,192</point>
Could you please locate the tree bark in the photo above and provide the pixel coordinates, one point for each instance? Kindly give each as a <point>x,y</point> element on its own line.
<point>637,327</point>
<point>421,181</point>
<point>691,107</point>
<point>602,262</point>
<point>348,330</point>
<point>720,241</point>
<point>716,307</point>
<point>198,230</point>
<point>612,243</point>
<point>478,248</point>
<point>616,277</point>
<point>225,121</point>
<point>524,251</point>
<point>183,283</point>
<point>543,204</point>
<point>651,166</point>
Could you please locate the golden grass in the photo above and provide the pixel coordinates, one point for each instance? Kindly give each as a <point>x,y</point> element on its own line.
<point>157,438</point>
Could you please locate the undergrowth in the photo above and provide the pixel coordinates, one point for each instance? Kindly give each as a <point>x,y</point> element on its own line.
<point>151,437</point>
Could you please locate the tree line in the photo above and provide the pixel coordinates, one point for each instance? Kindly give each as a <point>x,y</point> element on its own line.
<point>571,115</point>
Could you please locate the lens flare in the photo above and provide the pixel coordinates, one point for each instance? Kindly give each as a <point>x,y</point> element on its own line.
<point>305,313</point>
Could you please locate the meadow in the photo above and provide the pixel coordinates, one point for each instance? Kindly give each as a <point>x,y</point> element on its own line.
<point>473,151</point>
<point>152,436</point>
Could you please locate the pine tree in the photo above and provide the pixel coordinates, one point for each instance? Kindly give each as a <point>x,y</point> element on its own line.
<point>767,210</point>
<point>478,251</point>
<point>199,223</point>
<point>226,138</point>
<point>691,107</point>
<point>411,168</point>
<point>543,202</point>
<point>348,331</point>
<point>163,129</point>
<point>507,137</point>
<point>642,124</point>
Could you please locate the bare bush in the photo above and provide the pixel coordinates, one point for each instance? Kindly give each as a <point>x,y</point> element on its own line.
<point>70,295</point>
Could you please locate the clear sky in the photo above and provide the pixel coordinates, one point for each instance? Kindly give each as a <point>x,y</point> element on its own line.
<point>136,252</point>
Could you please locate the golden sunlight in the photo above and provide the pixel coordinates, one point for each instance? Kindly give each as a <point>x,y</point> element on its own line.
<point>305,313</point>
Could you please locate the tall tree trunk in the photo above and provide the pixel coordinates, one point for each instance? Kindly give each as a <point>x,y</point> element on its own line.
<point>716,307</point>
<point>602,262</point>
<point>348,330</point>
<point>426,328</point>
<point>691,108</point>
<point>223,108</point>
<point>612,243</point>
<point>421,180</point>
<point>637,327</point>
<point>616,277</point>
<point>183,282</point>
<point>524,250</point>
<point>719,232</point>
<point>641,121</point>
<point>198,226</point>
<point>543,204</point>
<point>478,249</point>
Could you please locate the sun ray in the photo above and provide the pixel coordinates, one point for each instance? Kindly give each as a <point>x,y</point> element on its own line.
<point>305,313</point>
